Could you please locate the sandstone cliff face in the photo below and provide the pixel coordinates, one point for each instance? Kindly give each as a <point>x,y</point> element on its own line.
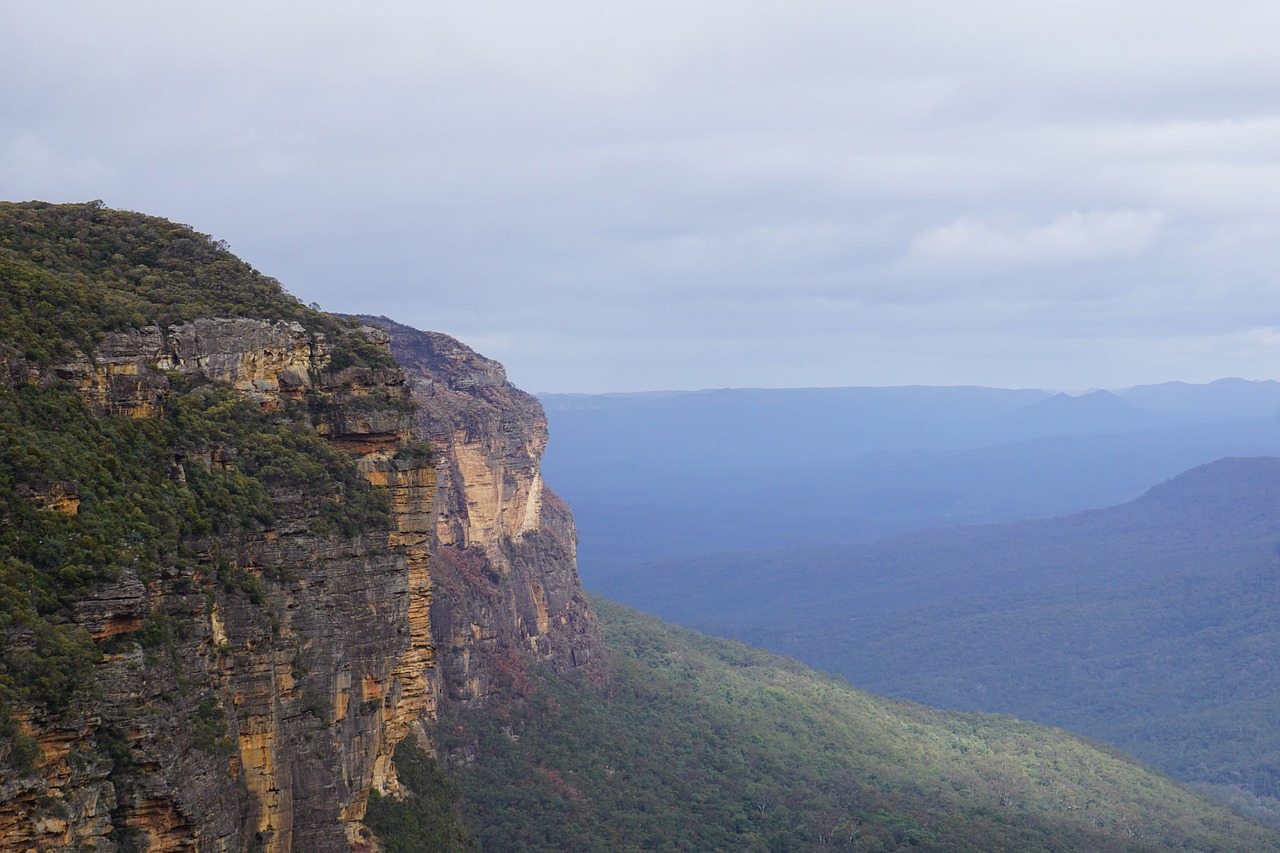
<point>504,560</point>
<point>262,720</point>
<point>264,360</point>
<point>268,629</point>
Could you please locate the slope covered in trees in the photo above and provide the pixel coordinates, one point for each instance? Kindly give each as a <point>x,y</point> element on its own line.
<point>1150,625</point>
<point>73,272</point>
<point>704,744</point>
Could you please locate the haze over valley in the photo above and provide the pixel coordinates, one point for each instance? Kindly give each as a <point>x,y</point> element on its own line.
<point>277,579</point>
<point>863,540</point>
<point>655,475</point>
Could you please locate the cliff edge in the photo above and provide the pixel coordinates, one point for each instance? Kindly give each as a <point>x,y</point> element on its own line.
<point>504,553</point>
<point>243,553</point>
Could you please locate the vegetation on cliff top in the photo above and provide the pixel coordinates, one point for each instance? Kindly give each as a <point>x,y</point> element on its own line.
<point>73,272</point>
<point>706,744</point>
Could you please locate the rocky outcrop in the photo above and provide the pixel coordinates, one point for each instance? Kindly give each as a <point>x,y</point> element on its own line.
<point>413,491</point>
<point>504,559</point>
<point>268,361</point>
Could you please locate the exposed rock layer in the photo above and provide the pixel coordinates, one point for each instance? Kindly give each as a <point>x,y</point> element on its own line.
<point>264,724</point>
<point>505,554</point>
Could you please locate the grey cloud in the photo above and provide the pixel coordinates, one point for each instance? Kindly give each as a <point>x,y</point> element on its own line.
<point>671,194</point>
<point>1073,236</point>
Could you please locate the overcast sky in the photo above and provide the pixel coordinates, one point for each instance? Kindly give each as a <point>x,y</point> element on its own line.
<point>641,195</point>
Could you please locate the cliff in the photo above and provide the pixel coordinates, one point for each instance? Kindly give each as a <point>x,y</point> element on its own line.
<point>271,701</point>
<point>228,553</point>
<point>504,550</point>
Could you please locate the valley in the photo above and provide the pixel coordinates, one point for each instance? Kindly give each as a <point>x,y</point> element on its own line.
<point>1147,624</point>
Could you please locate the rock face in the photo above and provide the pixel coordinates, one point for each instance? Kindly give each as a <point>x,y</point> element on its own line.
<point>235,573</point>
<point>504,553</point>
<point>264,718</point>
<point>264,360</point>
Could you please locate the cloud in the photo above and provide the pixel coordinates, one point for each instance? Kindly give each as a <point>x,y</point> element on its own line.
<point>1070,238</point>
<point>643,184</point>
<point>30,167</point>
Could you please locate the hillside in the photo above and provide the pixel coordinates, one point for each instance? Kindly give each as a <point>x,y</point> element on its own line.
<point>704,744</point>
<point>1148,625</point>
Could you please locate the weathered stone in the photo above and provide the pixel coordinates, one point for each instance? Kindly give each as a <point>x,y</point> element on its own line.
<point>115,608</point>
<point>257,725</point>
<point>264,724</point>
<point>58,497</point>
<point>504,562</point>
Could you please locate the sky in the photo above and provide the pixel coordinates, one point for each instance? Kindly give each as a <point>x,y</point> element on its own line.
<point>618,196</point>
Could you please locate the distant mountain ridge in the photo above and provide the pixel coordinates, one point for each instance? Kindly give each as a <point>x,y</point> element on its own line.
<point>791,467</point>
<point>1063,414</point>
<point>1217,399</point>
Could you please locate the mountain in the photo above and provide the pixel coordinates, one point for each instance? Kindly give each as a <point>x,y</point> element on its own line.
<point>679,474</point>
<point>704,744</point>
<point>1224,398</point>
<point>275,580</point>
<point>1148,625</point>
<point>1087,414</point>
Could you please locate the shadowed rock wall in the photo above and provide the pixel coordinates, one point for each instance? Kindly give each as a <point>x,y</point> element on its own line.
<point>504,562</point>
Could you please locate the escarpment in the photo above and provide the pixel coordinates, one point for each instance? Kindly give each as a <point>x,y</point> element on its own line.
<point>504,556</point>
<point>243,554</point>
